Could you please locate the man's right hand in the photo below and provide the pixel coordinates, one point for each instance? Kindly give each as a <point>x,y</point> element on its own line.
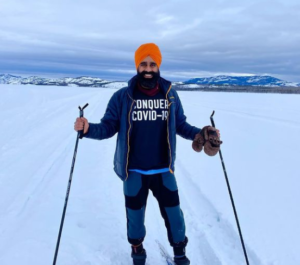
<point>81,124</point>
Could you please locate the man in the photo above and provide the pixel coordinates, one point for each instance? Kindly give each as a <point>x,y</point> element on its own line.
<point>147,115</point>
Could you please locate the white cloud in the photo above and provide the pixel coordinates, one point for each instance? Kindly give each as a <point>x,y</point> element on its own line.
<point>164,19</point>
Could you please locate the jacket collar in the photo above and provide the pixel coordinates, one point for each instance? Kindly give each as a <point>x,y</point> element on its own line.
<point>164,85</point>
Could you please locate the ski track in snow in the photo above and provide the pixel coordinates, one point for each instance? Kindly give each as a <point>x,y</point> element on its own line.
<point>200,225</point>
<point>55,157</point>
<point>30,194</point>
<point>36,154</point>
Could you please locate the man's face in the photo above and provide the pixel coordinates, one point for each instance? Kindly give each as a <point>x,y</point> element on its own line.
<point>148,65</point>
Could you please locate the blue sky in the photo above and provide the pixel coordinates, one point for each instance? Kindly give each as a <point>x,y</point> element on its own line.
<point>56,38</point>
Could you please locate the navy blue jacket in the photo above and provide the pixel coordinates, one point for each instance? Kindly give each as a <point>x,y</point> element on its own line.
<point>118,118</point>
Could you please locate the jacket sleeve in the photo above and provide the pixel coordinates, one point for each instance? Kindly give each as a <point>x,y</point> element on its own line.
<point>183,128</point>
<point>109,124</point>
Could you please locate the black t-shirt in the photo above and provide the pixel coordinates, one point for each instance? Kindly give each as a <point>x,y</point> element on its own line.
<point>148,140</point>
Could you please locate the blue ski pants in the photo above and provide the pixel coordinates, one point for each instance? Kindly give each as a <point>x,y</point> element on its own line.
<point>164,189</point>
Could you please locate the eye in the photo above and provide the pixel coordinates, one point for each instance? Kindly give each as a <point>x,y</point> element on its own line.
<point>143,64</point>
<point>153,65</point>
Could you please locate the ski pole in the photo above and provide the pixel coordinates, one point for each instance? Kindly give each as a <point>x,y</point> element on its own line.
<point>79,136</point>
<point>231,197</point>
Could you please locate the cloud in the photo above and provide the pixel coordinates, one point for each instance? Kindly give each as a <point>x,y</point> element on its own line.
<point>164,19</point>
<point>100,37</point>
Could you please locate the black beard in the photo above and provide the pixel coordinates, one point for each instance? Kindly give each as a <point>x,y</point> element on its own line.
<point>148,83</point>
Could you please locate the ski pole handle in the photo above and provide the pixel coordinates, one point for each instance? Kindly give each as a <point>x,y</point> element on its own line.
<point>212,119</point>
<point>80,133</point>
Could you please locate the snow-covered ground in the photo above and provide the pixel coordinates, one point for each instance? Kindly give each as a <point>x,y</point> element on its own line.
<point>260,151</point>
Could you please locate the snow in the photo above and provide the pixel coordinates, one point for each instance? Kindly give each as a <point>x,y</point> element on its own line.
<point>192,86</point>
<point>260,153</point>
<point>115,85</point>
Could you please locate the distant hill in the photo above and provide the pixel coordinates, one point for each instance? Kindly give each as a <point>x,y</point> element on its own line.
<point>256,80</point>
<point>83,81</point>
<point>217,83</point>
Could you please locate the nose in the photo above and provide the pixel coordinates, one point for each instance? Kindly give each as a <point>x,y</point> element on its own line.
<point>148,68</point>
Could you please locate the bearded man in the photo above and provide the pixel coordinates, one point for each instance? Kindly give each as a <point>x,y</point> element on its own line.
<point>147,115</point>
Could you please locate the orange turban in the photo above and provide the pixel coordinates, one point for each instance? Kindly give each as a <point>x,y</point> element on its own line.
<point>148,49</point>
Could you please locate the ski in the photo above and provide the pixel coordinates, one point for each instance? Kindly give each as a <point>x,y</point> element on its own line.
<point>165,254</point>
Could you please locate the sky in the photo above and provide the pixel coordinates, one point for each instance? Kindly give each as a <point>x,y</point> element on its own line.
<point>59,38</point>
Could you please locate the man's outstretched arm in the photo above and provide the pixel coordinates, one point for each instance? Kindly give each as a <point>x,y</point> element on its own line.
<point>108,126</point>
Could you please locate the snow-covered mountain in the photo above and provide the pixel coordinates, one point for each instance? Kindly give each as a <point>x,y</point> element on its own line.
<point>66,81</point>
<point>85,81</point>
<point>9,79</point>
<point>256,80</point>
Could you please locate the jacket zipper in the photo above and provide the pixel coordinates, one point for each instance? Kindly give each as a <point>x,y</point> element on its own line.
<point>168,136</point>
<point>128,137</point>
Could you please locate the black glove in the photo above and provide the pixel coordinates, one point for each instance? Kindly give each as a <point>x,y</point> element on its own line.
<point>207,137</point>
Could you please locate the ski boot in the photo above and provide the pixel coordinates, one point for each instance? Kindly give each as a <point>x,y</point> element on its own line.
<point>179,253</point>
<point>138,255</point>
<point>182,261</point>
